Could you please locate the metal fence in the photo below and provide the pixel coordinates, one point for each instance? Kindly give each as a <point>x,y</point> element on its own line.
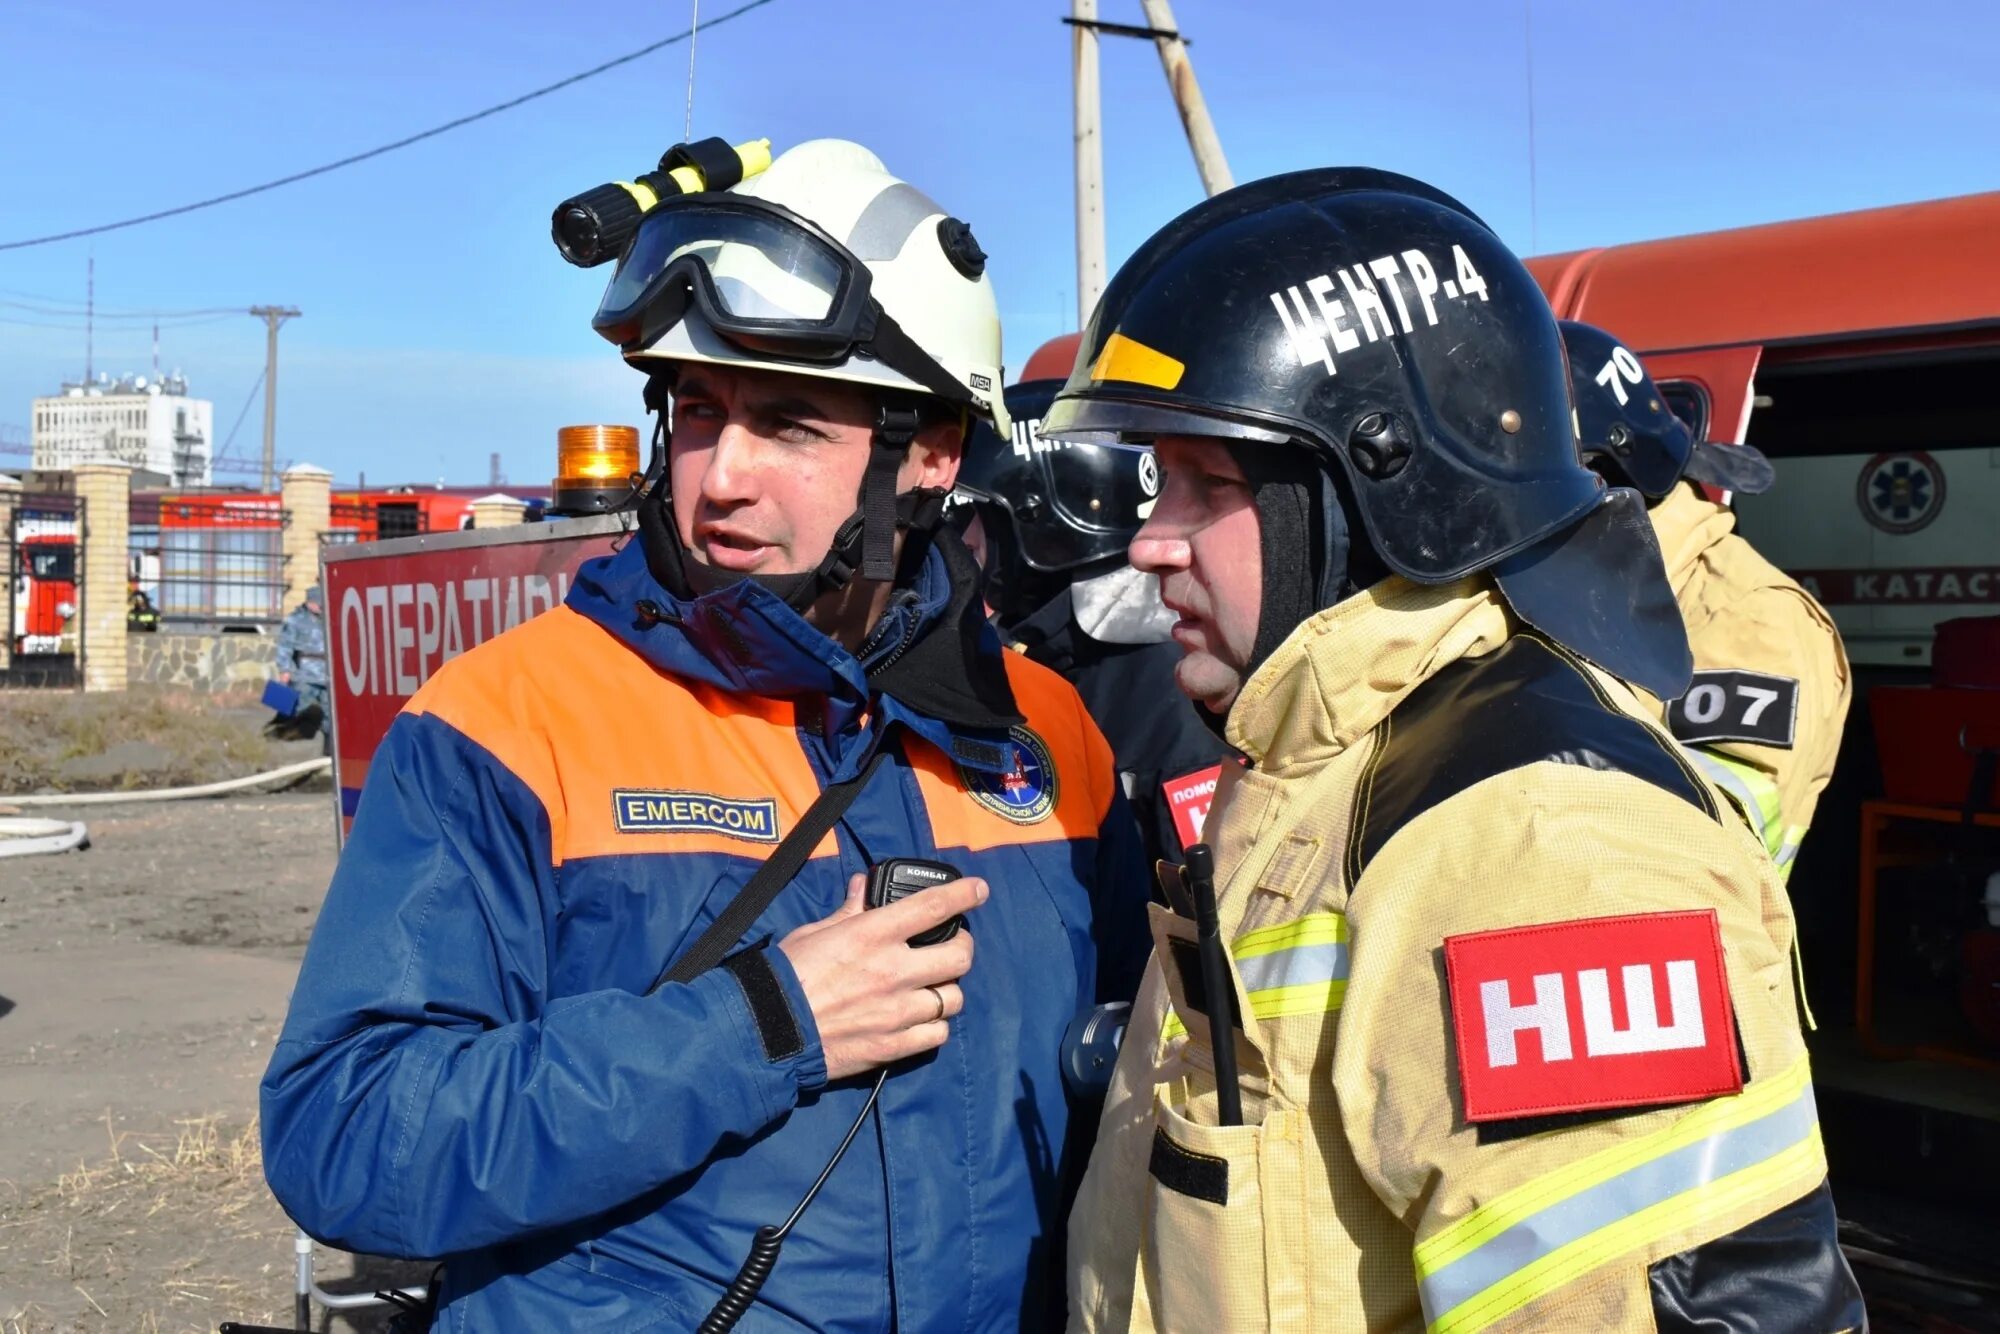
<point>210,561</point>
<point>42,597</point>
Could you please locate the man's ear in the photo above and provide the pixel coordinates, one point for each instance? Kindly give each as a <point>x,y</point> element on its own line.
<point>934,457</point>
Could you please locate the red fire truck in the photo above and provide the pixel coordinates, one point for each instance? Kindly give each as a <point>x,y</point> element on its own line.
<point>45,595</point>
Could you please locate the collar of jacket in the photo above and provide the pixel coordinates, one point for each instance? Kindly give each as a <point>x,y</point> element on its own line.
<point>1342,671</point>
<point>1687,524</point>
<point>1047,634</point>
<point>930,663</point>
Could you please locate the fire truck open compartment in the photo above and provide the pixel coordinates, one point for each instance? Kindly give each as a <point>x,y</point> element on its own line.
<point>1875,397</point>
<point>1824,414</point>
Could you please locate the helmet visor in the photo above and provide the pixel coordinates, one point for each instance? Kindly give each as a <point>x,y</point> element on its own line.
<point>1102,488</point>
<point>761,276</point>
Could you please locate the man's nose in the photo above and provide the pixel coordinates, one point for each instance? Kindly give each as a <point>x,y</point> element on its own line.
<point>731,475</point>
<point>1156,549</point>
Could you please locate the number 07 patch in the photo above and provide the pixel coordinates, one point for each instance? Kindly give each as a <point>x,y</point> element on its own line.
<point>1737,706</point>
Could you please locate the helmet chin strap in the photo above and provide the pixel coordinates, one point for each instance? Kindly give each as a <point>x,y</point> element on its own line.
<point>864,544</point>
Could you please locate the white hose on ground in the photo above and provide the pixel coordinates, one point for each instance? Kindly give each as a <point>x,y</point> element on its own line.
<point>25,836</point>
<point>289,771</point>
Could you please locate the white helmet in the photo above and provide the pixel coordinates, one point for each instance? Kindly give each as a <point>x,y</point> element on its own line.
<point>899,299</point>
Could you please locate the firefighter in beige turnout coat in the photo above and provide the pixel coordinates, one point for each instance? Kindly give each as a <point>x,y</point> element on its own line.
<point>1771,687</point>
<point>1464,854</point>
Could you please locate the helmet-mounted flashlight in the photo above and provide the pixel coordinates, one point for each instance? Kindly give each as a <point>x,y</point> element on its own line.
<point>594,226</point>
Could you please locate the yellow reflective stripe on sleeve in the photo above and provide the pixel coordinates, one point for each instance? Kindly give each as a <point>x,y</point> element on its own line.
<point>1545,1234</point>
<point>1297,967</point>
<point>1753,792</point>
<point>1788,848</point>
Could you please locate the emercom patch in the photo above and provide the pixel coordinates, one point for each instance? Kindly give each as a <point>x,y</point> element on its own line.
<point>648,811</point>
<point>1025,790</point>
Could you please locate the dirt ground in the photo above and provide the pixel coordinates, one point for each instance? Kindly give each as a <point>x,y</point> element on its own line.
<point>142,982</point>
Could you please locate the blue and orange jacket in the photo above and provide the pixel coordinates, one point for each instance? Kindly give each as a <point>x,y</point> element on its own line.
<point>473,1067</point>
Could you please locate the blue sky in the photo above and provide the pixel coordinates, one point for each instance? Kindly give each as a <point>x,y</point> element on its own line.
<point>440,326</point>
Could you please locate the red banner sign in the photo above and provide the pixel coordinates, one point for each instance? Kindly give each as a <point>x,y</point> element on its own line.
<point>394,618</point>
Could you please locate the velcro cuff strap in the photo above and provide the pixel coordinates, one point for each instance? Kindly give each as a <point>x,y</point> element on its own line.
<point>776,1026</point>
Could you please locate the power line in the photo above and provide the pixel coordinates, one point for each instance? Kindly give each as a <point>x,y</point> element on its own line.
<point>419,137</point>
<point>248,399</point>
<point>79,326</point>
<point>64,310</point>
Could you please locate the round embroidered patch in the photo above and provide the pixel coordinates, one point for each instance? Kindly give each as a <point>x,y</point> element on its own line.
<point>1026,793</point>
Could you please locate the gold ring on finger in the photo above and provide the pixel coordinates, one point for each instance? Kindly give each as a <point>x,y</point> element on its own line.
<point>937,996</point>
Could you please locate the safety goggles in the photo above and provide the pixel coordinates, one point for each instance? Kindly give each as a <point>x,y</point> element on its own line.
<point>765,280</point>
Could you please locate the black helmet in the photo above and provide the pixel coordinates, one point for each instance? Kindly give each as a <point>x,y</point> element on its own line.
<point>1070,506</point>
<point>1379,324</point>
<point>1628,433</point>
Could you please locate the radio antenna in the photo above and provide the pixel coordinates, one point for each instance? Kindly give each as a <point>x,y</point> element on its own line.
<point>694,33</point>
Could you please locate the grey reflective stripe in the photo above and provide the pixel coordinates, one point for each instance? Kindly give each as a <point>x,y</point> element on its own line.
<point>885,225</point>
<point>1739,791</point>
<point>1653,1182</point>
<point>1293,967</point>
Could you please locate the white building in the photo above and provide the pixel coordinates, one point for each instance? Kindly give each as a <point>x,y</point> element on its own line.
<point>148,423</point>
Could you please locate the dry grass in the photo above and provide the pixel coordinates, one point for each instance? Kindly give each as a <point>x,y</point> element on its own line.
<point>198,741</point>
<point>169,1232</point>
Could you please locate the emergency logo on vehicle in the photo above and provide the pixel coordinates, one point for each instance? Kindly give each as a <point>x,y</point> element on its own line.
<point>650,811</point>
<point>1025,792</point>
<point>1901,492</point>
<point>1720,705</point>
<point>1330,315</point>
<point>1567,1017</point>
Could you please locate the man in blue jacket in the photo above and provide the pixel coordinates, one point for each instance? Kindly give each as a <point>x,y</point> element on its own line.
<point>478,1065</point>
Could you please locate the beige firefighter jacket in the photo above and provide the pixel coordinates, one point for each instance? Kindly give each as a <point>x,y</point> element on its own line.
<point>1745,615</point>
<point>1357,1196</point>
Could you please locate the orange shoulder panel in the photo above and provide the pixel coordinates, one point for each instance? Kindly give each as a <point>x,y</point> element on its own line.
<point>999,812</point>
<point>626,758</point>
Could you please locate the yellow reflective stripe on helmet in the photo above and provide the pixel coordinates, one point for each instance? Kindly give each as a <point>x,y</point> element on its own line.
<point>1753,792</point>
<point>1545,1234</point>
<point>1297,967</point>
<point>1131,360</point>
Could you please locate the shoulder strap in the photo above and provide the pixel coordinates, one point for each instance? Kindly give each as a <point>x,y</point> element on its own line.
<point>776,872</point>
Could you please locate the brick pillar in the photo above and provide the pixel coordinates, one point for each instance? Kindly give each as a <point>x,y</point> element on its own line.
<point>106,492</point>
<point>496,511</point>
<point>10,495</point>
<point>306,496</point>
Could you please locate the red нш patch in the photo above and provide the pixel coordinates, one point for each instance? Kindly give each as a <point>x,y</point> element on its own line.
<point>1577,1016</point>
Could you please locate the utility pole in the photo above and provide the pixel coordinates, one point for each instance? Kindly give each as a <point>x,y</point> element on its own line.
<point>1208,159</point>
<point>1085,27</point>
<point>273,316</point>
<point>1089,160</point>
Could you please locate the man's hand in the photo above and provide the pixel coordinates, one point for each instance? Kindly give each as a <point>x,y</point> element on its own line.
<point>874,999</point>
<point>284,678</point>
